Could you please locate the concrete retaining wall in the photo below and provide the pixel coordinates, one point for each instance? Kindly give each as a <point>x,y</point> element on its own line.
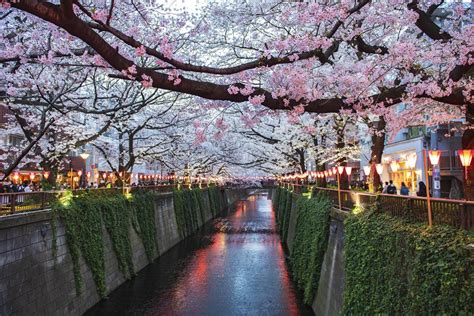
<point>329,299</point>
<point>33,282</point>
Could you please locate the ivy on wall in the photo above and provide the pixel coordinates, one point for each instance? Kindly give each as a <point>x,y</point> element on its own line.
<point>85,215</point>
<point>310,243</point>
<point>190,208</point>
<point>394,267</point>
<point>116,216</point>
<point>215,200</point>
<point>283,211</point>
<point>143,220</point>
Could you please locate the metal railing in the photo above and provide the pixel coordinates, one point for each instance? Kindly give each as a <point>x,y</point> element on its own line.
<point>456,213</point>
<point>12,203</point>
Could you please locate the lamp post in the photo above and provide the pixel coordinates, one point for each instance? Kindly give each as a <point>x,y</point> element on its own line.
<point>84,156</point>
<point>340,170</point>
<point>428,197</point>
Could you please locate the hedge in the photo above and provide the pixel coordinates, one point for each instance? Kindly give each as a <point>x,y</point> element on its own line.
<point>310,243</point>
<point>85,215</point>
<point>396,267</point>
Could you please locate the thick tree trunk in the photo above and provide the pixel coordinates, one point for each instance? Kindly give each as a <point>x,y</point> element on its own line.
<point>340,144</point>
<point>378,145</point>
<point>468,143</point>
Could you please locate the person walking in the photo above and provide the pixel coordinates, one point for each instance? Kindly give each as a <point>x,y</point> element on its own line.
<point>421,189</point>
<point>391,189</point>
<point>404,189</point>
<point>385,188</point>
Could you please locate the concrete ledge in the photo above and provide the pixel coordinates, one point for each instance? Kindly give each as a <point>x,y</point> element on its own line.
<point>24,218</point>
<point>338,214</point>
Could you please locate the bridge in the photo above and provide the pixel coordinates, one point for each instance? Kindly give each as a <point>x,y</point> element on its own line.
<point>223,251</point>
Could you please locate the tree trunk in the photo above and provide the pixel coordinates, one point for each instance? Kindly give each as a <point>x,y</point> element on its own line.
<point>468,143</point>
<point>378,145</point>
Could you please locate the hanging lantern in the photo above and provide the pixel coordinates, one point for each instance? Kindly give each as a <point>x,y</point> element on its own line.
<point>411,160</point>
<point>348,170</point>
<point>366,170</point>
<point>379,168</point>
<point>104,175</point>
<point>16,176</point>
<point>334,170</point>
<point>434,156</point>
<point>120,174</point>
<point>326,173</point>
<point>340,169</point>
<point>88,174</point>
<point>394,166</point>
<point>79,173</point>
<point>330,172</point>
<point>466,157</point>
<point>46,175</point>
<point>32,176</point>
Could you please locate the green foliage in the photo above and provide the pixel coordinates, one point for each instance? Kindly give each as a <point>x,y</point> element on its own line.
<point>284,213</point>
<point>395,267</point>
<point>198,202</point>
<point>214,200</point>
<point>310,243</point>
<point>276,198</point>
<point>190,209</point>
<point>84,216</point>
<point>143,208</point>
<point>116,215</point>
<point>83,223</point>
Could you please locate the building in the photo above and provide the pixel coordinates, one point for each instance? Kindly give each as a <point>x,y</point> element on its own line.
<point>402,159</point>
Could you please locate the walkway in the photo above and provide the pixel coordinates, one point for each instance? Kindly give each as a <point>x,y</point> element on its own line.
<point>234,266</point>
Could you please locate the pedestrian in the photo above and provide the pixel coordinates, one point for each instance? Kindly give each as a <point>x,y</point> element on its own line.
<point>385,188</point>
<point>391,189</point>
<point>404,189</point>
<point>421,189</point>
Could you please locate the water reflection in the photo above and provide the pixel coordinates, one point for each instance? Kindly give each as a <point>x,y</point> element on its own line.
<point>234,266</point>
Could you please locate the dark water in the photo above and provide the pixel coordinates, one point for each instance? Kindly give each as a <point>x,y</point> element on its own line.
<point>233,266</point>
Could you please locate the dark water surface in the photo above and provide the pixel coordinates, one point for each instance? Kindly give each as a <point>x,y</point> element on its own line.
<point>233,266</point>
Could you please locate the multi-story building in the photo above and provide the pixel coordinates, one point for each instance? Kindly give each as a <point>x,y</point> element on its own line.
<point>402,159</point>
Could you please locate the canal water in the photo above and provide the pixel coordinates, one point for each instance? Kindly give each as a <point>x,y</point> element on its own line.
<point>235,265</point>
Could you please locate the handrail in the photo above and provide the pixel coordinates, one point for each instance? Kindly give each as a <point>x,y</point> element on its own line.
<point>16,202</point>
<point>457,213</point>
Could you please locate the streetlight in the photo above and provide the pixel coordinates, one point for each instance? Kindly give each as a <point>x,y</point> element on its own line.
<point>84,156</point>
<point>428,197</point>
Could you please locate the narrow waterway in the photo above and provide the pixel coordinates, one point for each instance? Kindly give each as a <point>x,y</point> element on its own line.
<point>233,266</point>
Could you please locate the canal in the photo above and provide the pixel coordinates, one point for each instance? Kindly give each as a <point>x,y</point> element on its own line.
<point>235,265</point>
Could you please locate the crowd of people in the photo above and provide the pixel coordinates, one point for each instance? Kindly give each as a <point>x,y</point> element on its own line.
<point>26,186</point>
<point>390,188</point>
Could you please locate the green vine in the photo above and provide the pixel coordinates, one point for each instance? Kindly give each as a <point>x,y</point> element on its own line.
<point>189,209</point>
<point>214,200</point>
<point>83,223</point>
<point>116,215</point>
<point>83,217</point>
<point>310,243</point>
<point>143,208</point>
<point>396,267</point>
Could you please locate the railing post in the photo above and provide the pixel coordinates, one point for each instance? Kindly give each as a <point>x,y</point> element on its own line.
<point>13,202</point>
<point>463,211</point>
<point>43,199</point>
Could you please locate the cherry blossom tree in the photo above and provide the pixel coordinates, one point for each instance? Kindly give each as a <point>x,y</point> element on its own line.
<point>348,57</point>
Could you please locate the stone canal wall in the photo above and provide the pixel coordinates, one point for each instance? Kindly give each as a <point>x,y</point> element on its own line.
<point>34,281</point>
<point>329,297</point>
<point>337,260</point>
